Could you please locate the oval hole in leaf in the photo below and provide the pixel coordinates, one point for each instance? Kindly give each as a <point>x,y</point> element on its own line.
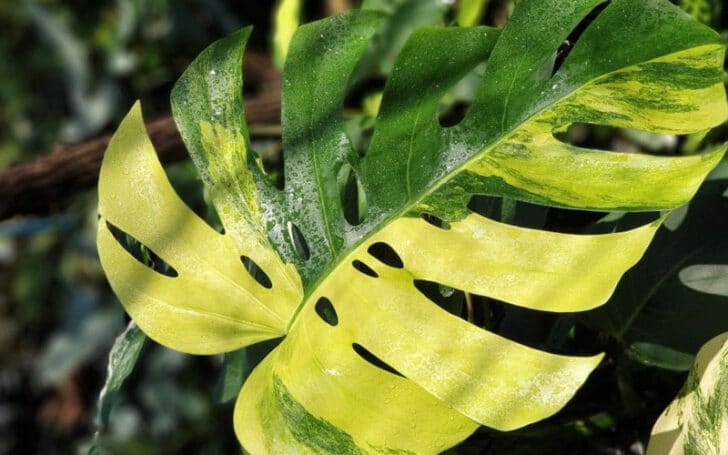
<point>452,113</point>
<point>435,221</point>
<point>298,241</point>
<point>141,252</point>
<point>568,44</point>
<point>386,255</point>
<point>363,268</point>
<point>353,196</point>
<point>452,301</point>
<point>326,311</point>
<point>256,272</point>
<point>374,360</point>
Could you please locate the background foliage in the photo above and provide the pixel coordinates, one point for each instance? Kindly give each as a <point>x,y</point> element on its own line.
<point>70,69</point>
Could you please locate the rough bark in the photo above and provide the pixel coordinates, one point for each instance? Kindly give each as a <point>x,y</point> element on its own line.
<point>44,184</point>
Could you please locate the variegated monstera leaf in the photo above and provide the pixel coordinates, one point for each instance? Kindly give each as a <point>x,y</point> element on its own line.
<point>368,363</point>
<point>697,421</point>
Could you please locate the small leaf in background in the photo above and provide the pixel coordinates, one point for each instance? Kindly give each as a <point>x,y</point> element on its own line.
<point>286,20</point>
<point>122,358</point>
<point>708,278</point>
<point>400,19</point>
<point>660,356</point>
<point>696,423</point>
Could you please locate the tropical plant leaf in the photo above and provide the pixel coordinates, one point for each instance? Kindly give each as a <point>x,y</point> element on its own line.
<point>697,421</point>
<point>368,362</point>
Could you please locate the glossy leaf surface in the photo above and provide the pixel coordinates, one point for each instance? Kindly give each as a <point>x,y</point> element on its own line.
<point>369,364</point>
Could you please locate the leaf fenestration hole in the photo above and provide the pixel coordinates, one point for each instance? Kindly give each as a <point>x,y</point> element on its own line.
<point>565,48</point>
<point>449,299</point>
<point>256,272</point>
<point>141,252</point>
<point>386,255</point>
<point>455,104</point>
<point>326,311</point>
<point>555,219</point>
<point>353,196</point>
<point>624,140</point>
<point>300,246</point>
<point>363,268</point>
<point>453,113</point>
<point>373,360</point>
<point>435,221</point>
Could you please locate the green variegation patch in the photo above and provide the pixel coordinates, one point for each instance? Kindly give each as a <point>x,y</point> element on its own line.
<point>369,363</point>
<point>697,421</point>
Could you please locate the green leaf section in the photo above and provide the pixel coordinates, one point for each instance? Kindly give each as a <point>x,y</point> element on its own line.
<point>696,422</point>
<point>368,363</point>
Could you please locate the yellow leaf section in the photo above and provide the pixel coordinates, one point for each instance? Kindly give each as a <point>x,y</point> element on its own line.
<point>697,421</point>
<point>233,185</point>
<point>287,19</point>
<point>454,373</point>
<point>470,12</point>
<point>332,401</point>
<point>236,198</point>
<point>674,94</point>
<point>540,270</point>
<point>213,305</point>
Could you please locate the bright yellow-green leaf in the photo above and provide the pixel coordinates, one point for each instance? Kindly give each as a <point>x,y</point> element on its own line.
<point>696,423</point>
<point>470,12</point>
<point>287,19</point>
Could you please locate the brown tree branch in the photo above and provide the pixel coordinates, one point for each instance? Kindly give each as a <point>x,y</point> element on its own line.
<point>44,185</point>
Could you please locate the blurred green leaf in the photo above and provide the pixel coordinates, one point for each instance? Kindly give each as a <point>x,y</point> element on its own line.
<point>708,278</point>
<point>706,11</point>
<point>67,350</point>
<point>401,18</point>
<point>660,356</point>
